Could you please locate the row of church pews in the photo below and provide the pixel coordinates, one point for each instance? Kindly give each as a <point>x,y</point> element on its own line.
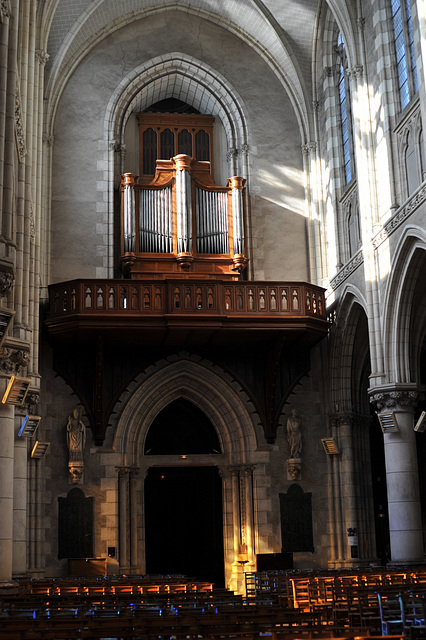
<point>383,600</point>
<point>166,608</point>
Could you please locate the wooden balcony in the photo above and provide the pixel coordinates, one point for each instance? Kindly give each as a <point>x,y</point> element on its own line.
<point>185,312</point>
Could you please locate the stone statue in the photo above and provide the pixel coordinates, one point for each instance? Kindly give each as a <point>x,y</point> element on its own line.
<point>76,436</point>
<point>294,435</point>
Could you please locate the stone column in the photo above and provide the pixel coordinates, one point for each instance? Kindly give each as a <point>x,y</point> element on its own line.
<point>348,482</point>
<point>19,556</point>
<point>134,549</point>
<point>405,522</point>
<point>123,507</point>
<point>6,486</point>
<point>247,480</point>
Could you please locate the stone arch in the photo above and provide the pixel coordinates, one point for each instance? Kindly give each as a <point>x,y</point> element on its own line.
<point>351,309</point>
<point>219,396</point>
<point>177,75</point>
<point>404,324</point>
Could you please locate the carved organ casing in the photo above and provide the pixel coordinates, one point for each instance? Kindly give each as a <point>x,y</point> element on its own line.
<point>182,223</point>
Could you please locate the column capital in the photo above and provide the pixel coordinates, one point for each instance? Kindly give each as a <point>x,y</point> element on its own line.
<point>123,472</point>
<point>342,417</point>
<point>397,397</point>
<point>41,56</point>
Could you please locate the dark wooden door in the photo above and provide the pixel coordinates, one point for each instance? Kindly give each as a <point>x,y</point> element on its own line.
<point>183,522</point>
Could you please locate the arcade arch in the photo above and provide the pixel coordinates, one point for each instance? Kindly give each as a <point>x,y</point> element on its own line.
<point>232,414</point>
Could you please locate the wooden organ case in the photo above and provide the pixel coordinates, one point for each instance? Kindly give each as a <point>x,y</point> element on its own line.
<point>181,224</point>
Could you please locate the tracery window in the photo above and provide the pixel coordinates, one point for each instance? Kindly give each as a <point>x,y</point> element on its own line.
<point>404,50</point>
<point>345,111</point>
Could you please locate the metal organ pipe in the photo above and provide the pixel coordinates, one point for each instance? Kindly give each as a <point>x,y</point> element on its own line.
<point>183,211</point>
<point>155,216</point>
<point>129,218</point>
<point>212,221</point>
<point>237,214</point>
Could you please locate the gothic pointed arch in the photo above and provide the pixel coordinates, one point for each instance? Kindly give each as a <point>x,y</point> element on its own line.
<point>349,351</point>
<point>404,317</point>
<point>174,75</point>
<point>220,398</point>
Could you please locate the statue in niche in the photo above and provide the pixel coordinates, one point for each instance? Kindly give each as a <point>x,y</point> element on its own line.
<point>294,435</point>
<point>76,440</point>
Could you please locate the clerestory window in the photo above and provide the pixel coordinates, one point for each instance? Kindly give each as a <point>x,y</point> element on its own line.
<point>345,111</point>
<point>404,50</point>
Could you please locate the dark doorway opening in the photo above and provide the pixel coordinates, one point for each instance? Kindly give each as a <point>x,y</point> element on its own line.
<point>183,522</point>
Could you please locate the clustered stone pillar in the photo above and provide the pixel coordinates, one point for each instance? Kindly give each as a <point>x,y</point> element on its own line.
<point>243,521</point>
<point>405,523</point>
<point>6,487</point>
<point>128,520</point>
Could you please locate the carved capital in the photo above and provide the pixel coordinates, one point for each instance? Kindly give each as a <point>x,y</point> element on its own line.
<point>396,399</point>
<point>361,24</point>
<point>231,154</point>
<point>356,72</point>
<point>235,471</point>
<point>247,470</point>
<point>123,472</point>
<point>47,139</point>
<point>13,359</point>
<point>41,56</point>
<point>309,148</point>
<point>342,418</point>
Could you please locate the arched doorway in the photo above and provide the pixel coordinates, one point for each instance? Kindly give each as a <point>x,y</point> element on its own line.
<point>183,505</point>
<point>183,522</point>
<point>230,442</point>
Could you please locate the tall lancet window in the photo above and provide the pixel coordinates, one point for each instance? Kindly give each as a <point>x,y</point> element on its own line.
<point>344,105</point>
<point>404,50</point>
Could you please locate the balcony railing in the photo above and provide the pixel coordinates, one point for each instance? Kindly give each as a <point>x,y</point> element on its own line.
<point>96,298</point>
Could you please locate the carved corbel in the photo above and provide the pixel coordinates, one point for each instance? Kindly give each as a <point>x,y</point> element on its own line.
<point>7,277</point>
<point>13,359</point>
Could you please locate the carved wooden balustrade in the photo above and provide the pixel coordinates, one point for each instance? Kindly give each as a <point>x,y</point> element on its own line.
<point>182,223</point>
<point>274,299</point>
<point>167,303</point>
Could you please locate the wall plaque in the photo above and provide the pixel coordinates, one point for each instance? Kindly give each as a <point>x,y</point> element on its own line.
<point>296,520</point>
<point>75,530</point>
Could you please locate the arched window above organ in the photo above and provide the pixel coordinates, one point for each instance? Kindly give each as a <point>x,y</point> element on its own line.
<point>165,134</point>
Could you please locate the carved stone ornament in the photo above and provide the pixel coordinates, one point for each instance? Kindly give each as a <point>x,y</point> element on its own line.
<point>13,360</point>
<point>405,399</point>
<point>294,469</point>
<point>76,471</point>
<point>31,400</point>
<point>7,278</point>
<point>4,10</point>
<point>19,128</point>
<point>41,56</point>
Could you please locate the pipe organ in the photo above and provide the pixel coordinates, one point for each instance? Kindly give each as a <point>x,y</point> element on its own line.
<point>182,223</point>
